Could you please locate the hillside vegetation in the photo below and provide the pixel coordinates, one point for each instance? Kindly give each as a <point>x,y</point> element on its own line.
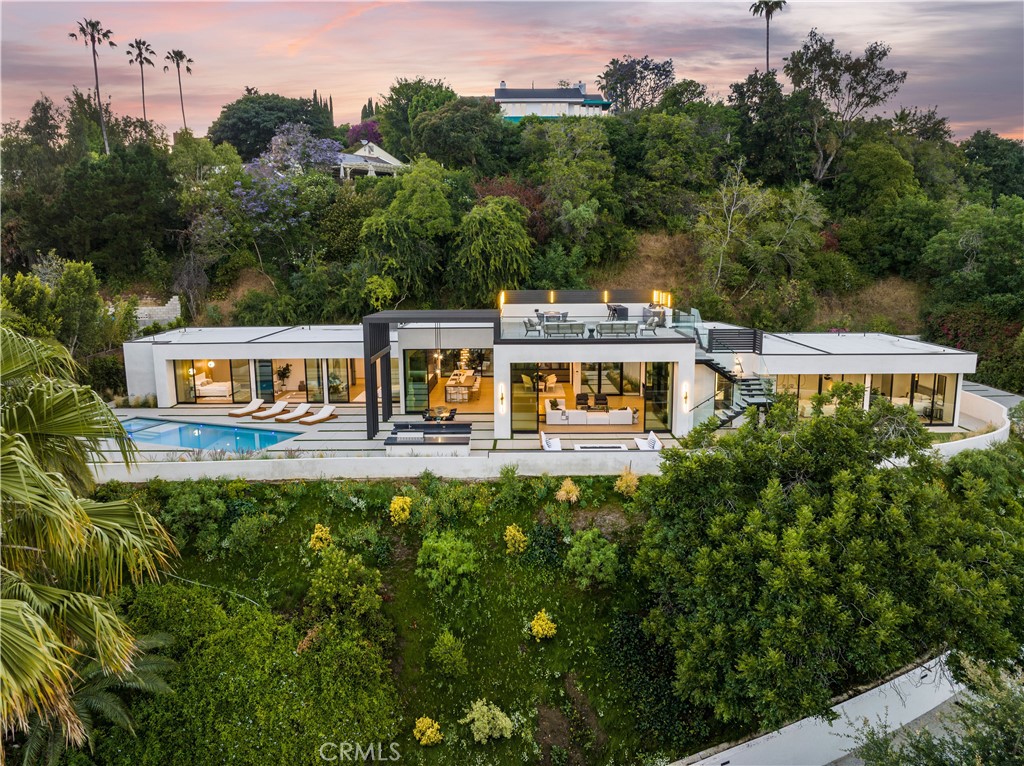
<point>780,208</point>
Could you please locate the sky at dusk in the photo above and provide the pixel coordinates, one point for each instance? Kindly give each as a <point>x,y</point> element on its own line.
<point>965,57</point>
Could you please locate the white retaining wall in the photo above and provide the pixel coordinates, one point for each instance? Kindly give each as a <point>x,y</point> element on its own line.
<point>985,410</point>
<point>813,742</point>
<point>531,463</point>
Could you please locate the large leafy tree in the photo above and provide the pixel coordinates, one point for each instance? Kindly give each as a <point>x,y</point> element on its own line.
<point>249,123</point>
<point>767,8</point>
<point>177,58</point>
<point>407,240</point>
<point>636,83</point>
<point>492,251</point>
<point>774,129</point>
<point>1001,161</point>
<point>789,562</point>
<point>139,52</point>
<point>398,109</point>
<point>466,132</point>
<point>842,88</point>
<point>94,34</point>
<point>62,554</point>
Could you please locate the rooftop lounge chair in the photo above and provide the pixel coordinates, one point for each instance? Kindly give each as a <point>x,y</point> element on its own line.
<point>550,443</point>
<point>326,413</point>
<point>271,412</point>
<point>295,414</point>
<point>248,409</point>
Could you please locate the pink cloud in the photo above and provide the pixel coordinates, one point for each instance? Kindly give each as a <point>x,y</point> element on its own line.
<point>966,59</point>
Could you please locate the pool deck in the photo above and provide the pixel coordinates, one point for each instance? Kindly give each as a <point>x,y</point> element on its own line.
<point>345,435</point>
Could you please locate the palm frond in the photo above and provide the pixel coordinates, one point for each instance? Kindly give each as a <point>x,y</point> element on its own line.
<point>34,671</point>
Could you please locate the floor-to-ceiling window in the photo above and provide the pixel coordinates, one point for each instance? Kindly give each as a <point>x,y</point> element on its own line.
<point>658,396</point>
<point>184,384</point>
<point>525,397</point>
<point>265,379</point>
<point>417,379</point>
<point>337,381</point>
<point>313,383</point>
<point>241,386</point>
<point>211,381</point>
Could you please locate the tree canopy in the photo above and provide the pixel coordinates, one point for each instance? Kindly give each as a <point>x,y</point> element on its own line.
<point>795,559</point>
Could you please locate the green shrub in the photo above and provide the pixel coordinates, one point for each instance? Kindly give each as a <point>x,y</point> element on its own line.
<point>445,561</point>
<point>592,559</point>
<point>106,376</point>
<point>448,655</point>
<point>344,587</point>
<point>487,721</point>
<point>247,531</point>
<point>544,547</point>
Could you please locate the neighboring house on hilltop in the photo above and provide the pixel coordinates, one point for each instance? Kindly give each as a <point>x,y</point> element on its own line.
<point>549,103</point>
<point>368,160</point>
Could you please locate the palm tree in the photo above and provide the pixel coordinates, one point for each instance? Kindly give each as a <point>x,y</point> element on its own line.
<point>92,32</point>
<point>139,52</point>
<point>767,8</point>
<point>178,58</point>
<point>96,695</point>
<point>60,554</point>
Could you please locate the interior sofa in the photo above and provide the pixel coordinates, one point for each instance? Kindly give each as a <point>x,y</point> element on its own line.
<point>620,417</point>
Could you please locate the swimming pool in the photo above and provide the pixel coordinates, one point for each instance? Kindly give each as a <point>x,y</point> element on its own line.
<point>201,435</point>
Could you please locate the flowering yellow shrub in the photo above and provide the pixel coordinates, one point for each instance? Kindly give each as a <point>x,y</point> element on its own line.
<point>542,626</point>
<point>627,482</point>
<point>401,507</point>
<point>568,492</point>
<point>321,538</point>
<point>515,540</point>
<point>427,731</point>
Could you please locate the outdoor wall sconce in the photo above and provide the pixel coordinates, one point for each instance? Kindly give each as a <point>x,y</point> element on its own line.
<point>686,396</point>
<point>501,398</point>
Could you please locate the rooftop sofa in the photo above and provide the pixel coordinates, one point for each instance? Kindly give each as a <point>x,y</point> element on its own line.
<point>617,328</point>
<point>565,329</point>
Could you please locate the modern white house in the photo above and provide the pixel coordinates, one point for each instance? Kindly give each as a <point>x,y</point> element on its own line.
<point>549,103</point>
<point>623,362</point>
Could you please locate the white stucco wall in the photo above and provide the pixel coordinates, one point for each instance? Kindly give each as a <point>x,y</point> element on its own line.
<point>139,370</point>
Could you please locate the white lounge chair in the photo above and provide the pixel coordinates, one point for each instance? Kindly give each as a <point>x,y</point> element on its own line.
<point>248,409</point>
<point>650,444</point>
<point>326,413</point>
<point>550,443</point>
<point>271,412</point>
<point>295,414</point>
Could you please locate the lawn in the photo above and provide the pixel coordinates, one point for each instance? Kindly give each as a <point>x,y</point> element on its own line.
<point>597,692</point>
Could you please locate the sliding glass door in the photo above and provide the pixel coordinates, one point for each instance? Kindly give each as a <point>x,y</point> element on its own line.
<point>658,396</point>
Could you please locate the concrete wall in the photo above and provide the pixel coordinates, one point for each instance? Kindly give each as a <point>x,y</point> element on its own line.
<point>532,463</point>
<point>813,742</point>
<point>147,315</point>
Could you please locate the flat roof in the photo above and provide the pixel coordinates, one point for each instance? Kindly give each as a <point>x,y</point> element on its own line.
<point>293,334</point>
<point>866,344</point>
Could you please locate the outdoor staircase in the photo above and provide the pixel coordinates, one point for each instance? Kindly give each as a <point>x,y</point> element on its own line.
<point>752,393</point>
<point>708,361</point>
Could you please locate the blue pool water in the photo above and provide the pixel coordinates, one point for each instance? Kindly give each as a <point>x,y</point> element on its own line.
<point>201,435</point>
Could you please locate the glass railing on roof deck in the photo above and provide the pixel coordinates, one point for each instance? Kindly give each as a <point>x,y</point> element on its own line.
<point>671,324</point>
